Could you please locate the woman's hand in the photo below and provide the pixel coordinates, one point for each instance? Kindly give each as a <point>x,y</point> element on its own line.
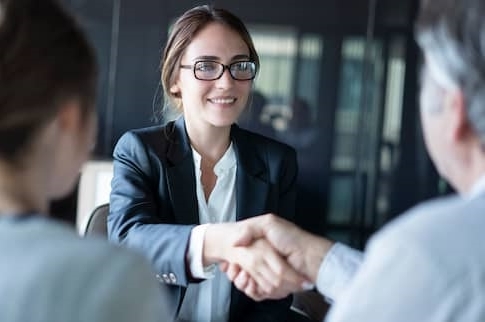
<point>253,264</point>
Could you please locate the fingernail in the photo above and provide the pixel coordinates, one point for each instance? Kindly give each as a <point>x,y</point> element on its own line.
<point>307,286</point>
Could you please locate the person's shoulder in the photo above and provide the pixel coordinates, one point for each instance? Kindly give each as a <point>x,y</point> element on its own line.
<point>420,218</point>
<point>440,226</point>
<point>145,133</point>
<point>98,281</point>
<point>427,214</point>
<point>67,245</point>
<point>156,137</point>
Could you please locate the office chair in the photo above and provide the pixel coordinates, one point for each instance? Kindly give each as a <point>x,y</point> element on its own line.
<point>96,224</point>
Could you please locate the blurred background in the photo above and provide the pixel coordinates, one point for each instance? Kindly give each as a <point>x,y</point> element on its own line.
<point>338,82</point>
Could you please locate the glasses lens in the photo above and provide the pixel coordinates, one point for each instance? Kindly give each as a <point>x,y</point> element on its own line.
<point>243,70</point>
<point>207,70</point>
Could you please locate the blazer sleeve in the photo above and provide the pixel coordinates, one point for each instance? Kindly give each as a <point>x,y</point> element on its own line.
<point>139,215</point>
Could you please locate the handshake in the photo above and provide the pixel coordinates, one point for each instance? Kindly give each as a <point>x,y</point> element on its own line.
<point>266,257</point>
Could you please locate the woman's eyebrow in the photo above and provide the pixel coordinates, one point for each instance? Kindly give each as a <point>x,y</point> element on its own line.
<point>207,57</point>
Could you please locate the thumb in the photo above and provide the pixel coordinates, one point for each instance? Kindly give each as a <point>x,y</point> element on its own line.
<point>248,230</point>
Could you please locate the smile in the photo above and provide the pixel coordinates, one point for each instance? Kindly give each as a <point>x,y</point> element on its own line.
<point>222,100</point>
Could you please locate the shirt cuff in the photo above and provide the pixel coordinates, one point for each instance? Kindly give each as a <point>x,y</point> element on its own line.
<point>194,254</point>
<point>337,269</point>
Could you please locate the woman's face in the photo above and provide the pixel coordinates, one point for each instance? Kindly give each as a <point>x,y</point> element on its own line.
<point>74,147</point>
<point>213,103</point>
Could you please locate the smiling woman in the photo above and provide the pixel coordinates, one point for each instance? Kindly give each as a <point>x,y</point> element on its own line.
<point>175,187</point>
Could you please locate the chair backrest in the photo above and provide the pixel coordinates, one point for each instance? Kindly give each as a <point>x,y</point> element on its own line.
<point>94,189</point>
<point>97,222</point>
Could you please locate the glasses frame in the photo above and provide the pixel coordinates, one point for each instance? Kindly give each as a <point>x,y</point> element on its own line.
<point>224,67</point>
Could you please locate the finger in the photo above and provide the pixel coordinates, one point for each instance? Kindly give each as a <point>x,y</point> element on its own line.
<point>276,272</point>
<point>252,291</point>
<point>233,271</point>
<point>285,277</point>
<point>253,262</point>
<point>223,266</point>
<point>242,280</point>
<point>251,229</point>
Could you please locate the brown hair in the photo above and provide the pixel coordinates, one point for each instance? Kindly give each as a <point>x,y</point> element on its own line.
<point>183,31</point>
<point>45,59</point>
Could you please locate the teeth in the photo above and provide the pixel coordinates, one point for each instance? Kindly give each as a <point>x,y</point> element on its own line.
<point>223,100</point>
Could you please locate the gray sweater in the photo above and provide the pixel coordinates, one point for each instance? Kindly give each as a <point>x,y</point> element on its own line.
<point>49,274</point>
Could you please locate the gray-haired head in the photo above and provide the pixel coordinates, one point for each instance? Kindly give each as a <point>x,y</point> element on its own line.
<point>452,34</point>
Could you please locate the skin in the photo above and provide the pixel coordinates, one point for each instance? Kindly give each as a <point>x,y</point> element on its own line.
<point>290,242</point>
<point>53,160</point>
<point>211,107</point>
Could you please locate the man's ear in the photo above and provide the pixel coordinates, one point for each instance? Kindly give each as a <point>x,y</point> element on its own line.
<point>455,103</point>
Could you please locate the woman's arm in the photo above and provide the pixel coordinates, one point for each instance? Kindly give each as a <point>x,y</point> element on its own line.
<point>140,215</point>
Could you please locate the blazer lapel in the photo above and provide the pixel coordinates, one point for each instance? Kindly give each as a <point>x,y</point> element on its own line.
<point>181,177</point>
<point>251,183</point>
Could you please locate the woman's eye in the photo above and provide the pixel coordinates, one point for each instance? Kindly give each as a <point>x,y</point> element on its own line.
<point>206,67</point>
<point>241,66</point>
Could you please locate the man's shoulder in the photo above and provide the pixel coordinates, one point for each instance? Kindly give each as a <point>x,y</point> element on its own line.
<point>424,214</point>
<point>442,226</point>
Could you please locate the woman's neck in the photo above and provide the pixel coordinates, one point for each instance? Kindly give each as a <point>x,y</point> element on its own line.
<point>19,193</point>
<point>210,144</point>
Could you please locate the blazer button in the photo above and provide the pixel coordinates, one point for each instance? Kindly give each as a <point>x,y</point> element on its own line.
<point>159,278</point>
<point>172,277</point>
<point>166,279</point>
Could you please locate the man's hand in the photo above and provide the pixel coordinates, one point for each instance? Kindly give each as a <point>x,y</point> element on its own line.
<point>302,250</point>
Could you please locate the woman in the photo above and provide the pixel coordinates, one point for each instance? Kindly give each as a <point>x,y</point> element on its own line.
<point>47,129</point>
<point>174,185</point>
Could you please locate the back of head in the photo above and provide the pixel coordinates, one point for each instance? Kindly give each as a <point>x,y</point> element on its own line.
<point>452,35</point>
<point>44,60</point>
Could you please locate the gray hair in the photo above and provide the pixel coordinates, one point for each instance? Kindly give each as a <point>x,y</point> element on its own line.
<point>452,34</point>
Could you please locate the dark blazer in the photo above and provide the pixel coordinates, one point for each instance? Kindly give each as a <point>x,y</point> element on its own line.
<point>153,203</point>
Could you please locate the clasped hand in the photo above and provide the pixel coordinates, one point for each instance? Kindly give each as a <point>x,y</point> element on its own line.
<point>262,256</point>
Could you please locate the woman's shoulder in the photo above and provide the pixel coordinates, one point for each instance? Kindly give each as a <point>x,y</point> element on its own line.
<point>57,239</point>
<point>148,136</point>
<point>149,131</point>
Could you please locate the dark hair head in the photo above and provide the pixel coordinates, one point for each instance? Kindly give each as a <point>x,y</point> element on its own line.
<point>183,31</point>
<point>451,34</point>
<point>45,60</point>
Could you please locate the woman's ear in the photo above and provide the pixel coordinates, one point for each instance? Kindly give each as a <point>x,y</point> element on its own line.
<point>69,115</point>
<point>175,90</point>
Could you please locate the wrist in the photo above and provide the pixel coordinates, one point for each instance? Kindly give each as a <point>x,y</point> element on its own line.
<point>314,256</point>
<point>213,249</point>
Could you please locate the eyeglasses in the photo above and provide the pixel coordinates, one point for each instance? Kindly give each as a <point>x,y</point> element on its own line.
<point>211,70</point>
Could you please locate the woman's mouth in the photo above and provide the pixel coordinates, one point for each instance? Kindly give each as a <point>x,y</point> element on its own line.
<point>222,100</point>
